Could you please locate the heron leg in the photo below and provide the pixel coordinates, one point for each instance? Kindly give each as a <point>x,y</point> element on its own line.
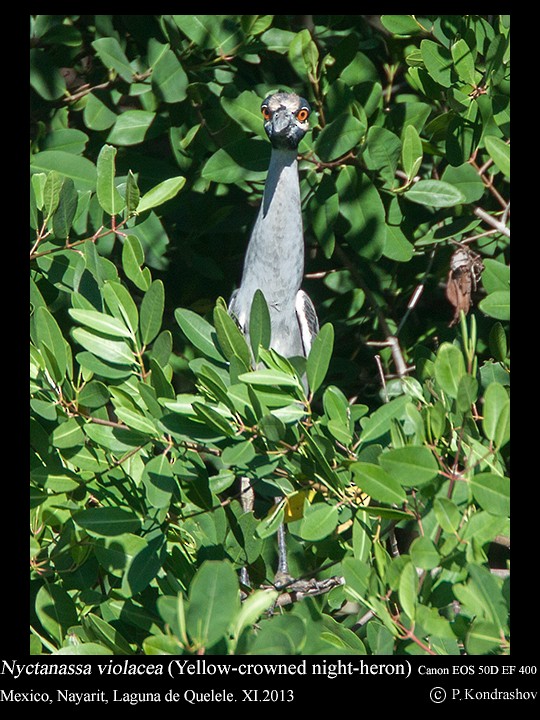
<point>247,500</point>
<point>282,576</point>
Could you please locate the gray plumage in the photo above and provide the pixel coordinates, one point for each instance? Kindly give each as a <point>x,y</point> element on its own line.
<point>274,261</point>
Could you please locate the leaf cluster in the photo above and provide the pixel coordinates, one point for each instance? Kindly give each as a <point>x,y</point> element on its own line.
<point>148,157</point>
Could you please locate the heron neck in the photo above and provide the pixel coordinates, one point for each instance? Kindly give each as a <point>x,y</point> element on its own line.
<point>274,260</point>
<point>282,189</point>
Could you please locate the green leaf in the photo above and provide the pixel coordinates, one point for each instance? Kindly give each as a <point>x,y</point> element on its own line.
<point>438,62</point>
<point>131,127</point>
<point>499,152</point>
<point>136,420</point>
<point>397,247</point>
<point>113,351</point>
<point>251,610</point>
<point>68,434</point>
<point>467,392</point>
<point>378,423</point>
<point>407,590</point>
<point>101,322</point>
<point>97,116</point>
<point>402,24</point>
<point>132,259</point>
<point>497,342</point>
<point>87,648</point>
<point>240,454</point>
<point>488,592</point>
<point>319,521</point>
<point>214,419</point>
<point>211,32</point>
<point>113,57</point>
<point>56,611</point>
<point>51,192</point>
<point>269,525</point>
<point>81,170</point>
<point>107,521</point>
<point>447,514</point>
<point>424,554</point>
<point>260,328</point>
<point>377,483</point>
<point>159,481</point>
<point>133,194</point>
<point>449,368</point>
<point>304,54</point>
<point>45,77</point>
<point>464,62</point>
<point>272,427</point>
<point>245,109</point>
<point>143,569</point>
<point>162,192</point>
<point>214,601</point>
<point>497,305</point>
<point>66,139</point>
<point>435,193</point>
<point>319,357</point>
<point>466,179</point>
<point>496,421</point>
<point>324,210</point>
<point>483,638</point>
<point>411,466</point>
<point>151,312</point>
<point>339,136</point>
<point>169,78</point>
<point>65,212</point>
<point>361,205</point>
<point>241,160</point>
<point>269,377</point>
<point>94,394</point>
<point>49,336</point>
<point>492,492</point>
<point>230,337</point>
<point>382,152</point>
<point>199,332</point>
<point>101,631</point>
<point>411,152</point>
<point>341,638</point>
<point>120,303</point>
<point>109,198</point>
<point>356,573</point>
<point>59,481</point>
<point>495,276</point>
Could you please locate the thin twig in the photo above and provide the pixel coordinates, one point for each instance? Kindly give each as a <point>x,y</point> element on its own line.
<point>391,340</point>
<point>490,220</point>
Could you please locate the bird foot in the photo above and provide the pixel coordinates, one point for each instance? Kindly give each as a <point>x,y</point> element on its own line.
<point>312,586</point>
<point>282,580</point>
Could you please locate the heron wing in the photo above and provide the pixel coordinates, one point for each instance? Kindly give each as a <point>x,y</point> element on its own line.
<point>234,310</point>
<point>307,320</point>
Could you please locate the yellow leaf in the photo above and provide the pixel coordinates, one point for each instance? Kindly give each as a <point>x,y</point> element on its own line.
<point>294,504</point>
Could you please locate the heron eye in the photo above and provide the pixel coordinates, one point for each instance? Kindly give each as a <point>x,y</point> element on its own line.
<point>266,112</point>
<point>302,114</point>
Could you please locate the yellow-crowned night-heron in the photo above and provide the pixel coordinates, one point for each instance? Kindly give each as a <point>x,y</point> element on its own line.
<point>274,261</point>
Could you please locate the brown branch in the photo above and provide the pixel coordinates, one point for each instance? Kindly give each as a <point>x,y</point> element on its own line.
<point>300,589</point>
<point>391,340</point>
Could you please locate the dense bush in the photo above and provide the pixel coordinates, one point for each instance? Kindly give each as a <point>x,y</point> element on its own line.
<point>148,158</point>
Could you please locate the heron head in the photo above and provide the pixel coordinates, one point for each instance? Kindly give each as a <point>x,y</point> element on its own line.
<point>285,119</point>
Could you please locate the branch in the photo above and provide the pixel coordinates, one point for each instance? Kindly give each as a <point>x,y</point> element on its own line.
<point>301,589</point>
<point>490,220</point>
<point>391,340</point>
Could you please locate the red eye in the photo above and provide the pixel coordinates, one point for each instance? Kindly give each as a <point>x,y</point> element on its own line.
<point>266,112</point>
<point>302,114</point>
